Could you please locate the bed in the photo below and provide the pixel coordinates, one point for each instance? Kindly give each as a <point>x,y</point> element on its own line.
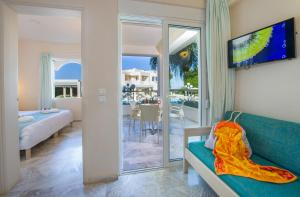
<point>41,127</point>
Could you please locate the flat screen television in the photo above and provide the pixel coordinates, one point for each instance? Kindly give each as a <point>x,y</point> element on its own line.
<point>276,42</point>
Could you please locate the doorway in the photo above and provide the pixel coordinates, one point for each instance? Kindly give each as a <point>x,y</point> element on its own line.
<point>142,138</point>
<point>53,140</point>
<point>181,94</point>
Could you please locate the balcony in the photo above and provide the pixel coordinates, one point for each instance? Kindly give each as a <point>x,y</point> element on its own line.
<point>148,153</point>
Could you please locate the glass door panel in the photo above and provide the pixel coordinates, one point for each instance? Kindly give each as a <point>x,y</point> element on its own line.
<point>184,85</point>
<point>142,140</point>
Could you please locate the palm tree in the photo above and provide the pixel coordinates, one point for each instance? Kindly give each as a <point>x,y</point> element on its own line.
<point>184,61</point>
<point>154,63</point>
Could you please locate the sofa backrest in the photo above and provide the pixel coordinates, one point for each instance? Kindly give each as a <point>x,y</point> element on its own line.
<point>275,140</point>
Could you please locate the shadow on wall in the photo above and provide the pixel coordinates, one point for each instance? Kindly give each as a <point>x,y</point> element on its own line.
<point>73,104</point>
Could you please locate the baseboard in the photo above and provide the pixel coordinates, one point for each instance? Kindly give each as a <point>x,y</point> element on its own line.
<point>101,180</point>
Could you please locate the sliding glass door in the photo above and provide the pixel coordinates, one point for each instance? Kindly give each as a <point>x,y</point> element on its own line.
<point>176,84</point>
<point>184,80</point>
<point>142,140</point>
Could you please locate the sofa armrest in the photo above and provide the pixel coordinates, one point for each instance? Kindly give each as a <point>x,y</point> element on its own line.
<point>189,132</point>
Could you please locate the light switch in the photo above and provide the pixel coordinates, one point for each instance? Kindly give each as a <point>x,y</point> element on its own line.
<point>102,99</point>
<point>101,92</point>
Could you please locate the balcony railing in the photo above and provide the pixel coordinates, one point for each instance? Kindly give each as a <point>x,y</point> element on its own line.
<point>187,97</point>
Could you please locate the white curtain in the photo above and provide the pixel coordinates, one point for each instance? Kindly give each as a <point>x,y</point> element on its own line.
<point>221,80</point>
<point>47,75</point>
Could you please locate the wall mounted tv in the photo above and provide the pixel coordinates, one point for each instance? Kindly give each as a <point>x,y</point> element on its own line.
<point>276,42</point>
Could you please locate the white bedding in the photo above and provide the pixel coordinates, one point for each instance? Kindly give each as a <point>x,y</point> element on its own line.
<point>41,130</point>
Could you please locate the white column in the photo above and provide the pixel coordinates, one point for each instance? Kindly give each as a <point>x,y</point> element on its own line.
<point>71,92</point>
<point>78,89</point>
<point>64,92</point>
<point>9,135</point>
<point>101,153</point>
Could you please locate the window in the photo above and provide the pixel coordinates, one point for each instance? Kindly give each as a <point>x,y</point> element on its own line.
<point>67,82</point>
<point>144,78</point>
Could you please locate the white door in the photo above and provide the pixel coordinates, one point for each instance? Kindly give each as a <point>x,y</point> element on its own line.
<point>184,85</point>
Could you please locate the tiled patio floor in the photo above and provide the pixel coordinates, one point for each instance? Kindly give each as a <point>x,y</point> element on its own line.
<point>149,153</point>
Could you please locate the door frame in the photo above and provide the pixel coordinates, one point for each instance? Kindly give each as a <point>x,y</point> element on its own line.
<point>133,20</point>
<point>164,75</point>
<point>203,91</point>
<point>4,183</point>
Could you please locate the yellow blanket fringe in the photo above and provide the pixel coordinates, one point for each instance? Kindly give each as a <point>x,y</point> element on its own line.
<point>231,157</point>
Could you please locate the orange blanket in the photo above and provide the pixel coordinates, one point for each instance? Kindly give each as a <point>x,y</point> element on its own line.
<point>231,157</point>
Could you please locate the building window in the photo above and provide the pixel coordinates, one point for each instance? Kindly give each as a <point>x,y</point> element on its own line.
<point>67,80</point>
<point>144,78</point>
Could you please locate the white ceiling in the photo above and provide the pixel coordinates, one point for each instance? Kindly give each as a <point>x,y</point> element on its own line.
<point>146,37</point>
<point>141,35</point>
<point>67,29</point>
<point>55,28</point>
<point>181,37</point>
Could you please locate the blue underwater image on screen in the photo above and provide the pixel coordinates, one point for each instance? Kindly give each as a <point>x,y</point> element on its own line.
<point>262,46</point>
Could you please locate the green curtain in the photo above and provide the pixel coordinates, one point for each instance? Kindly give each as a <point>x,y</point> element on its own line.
<point>221,80</point>
<point>47,74</point>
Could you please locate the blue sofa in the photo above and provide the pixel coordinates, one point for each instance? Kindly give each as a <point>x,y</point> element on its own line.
<point>274,142</point>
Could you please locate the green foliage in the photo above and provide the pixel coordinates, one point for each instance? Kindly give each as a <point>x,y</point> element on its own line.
<point>192,78</point>
<point>194,104</point>
<point>185,60</point>
<point>184,63</point>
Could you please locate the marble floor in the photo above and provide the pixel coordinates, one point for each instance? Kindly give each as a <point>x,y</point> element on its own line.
<point>149,153</point>
<point>140,155</point>
<point>56,170</point>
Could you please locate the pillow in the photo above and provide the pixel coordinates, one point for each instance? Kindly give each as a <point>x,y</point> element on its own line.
<point>48,111</point>
<point>211,140</point>
<point>24,119</point>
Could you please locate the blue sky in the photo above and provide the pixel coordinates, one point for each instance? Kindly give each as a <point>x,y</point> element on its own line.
<point>140,62</point>
<point>73,70</point>
<point>69,71</point>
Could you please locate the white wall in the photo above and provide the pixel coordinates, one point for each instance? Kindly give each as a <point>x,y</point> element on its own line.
<point>185,3</point>
<point>9,136</point>
<point>153,9</point>
<point>73,104</point>
<point>101,70</point>
<point>270,89</point>
<point>100,62</point>
<point>29,68</point>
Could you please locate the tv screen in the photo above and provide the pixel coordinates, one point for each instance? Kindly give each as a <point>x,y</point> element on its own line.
<point>276,42</point>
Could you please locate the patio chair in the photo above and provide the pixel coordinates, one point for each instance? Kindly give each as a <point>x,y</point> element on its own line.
<point>134,115</point>
<point>150,113</point>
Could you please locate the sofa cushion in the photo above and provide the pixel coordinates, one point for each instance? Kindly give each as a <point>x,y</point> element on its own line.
<point>275,140</point>
<point>245,186</point>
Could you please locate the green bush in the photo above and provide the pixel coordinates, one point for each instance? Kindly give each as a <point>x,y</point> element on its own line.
<point>193,104</point>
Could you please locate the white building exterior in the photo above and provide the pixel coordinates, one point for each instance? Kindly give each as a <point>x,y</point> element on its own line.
<point>67,87</point>
<point>142,79</point>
